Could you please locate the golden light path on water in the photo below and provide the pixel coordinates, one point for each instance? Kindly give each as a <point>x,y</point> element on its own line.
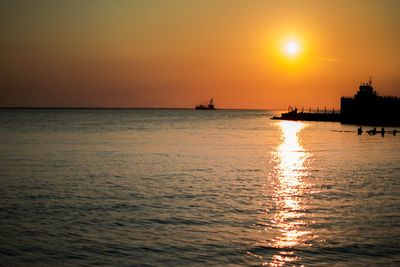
<point>288,194</point>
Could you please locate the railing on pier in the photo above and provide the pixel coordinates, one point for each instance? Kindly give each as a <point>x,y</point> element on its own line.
<point>319,111</point>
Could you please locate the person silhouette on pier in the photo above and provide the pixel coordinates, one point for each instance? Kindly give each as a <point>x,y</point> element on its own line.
<point>383,131</point>
<point>359,131</point>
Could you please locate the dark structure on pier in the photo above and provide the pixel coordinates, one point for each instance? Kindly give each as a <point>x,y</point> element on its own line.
<point>365,108</point>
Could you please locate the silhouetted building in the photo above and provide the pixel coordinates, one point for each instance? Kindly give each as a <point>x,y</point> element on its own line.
<point>367,107</point>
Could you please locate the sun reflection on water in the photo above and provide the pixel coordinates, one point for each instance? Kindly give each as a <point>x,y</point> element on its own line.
<point>289,188</point>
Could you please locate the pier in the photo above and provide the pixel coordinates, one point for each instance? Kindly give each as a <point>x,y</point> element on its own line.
<point>365,108</point>
<point>317,115</point>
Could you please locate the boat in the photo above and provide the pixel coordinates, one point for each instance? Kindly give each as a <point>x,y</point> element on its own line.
<point>206,106</point>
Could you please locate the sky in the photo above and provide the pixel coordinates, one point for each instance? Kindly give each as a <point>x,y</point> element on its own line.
<point>176,54</point>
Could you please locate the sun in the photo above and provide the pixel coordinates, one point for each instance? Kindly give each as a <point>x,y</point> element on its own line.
<point>292,48</point>
<point>290,51</point>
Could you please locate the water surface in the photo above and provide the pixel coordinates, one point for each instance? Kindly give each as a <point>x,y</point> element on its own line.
<point>184,187</point>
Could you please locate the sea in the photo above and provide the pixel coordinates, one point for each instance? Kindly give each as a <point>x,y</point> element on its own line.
<point>170,187</point>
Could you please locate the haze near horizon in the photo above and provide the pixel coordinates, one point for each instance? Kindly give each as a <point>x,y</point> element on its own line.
<point>244,54</point>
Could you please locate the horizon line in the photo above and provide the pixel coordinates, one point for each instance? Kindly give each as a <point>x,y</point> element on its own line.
<point>172,108</point>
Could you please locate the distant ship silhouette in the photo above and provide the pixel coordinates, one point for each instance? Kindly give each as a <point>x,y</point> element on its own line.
<point>366,107</point>
<point>206,106</point>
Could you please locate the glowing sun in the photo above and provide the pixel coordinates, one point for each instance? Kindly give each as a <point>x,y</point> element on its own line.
<point>292,48</point>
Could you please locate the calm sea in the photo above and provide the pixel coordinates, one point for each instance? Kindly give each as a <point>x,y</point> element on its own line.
<point>194,188</point>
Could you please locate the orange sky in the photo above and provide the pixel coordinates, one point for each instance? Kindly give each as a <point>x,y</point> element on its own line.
<point>181,53</point>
